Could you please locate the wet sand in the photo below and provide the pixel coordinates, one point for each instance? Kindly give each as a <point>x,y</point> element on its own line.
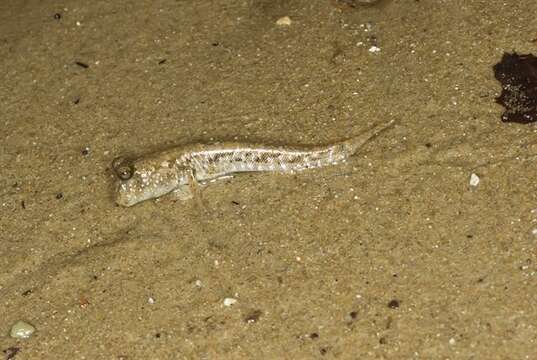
<point>391,255</point>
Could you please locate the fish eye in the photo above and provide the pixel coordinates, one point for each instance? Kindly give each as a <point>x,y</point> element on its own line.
<point>122,168</point>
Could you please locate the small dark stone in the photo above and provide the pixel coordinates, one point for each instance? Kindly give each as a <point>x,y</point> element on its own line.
<point>57,16</point>
<point>323,351</point>
<point>27,292</point>
<point>394,304</point>
<point>11,352</point>
<point>76,101</point>
<point>428,145</point>
<point>356,3</point>
<point>253,316</point>
<point>382,340</point>
<point>59,196</point>
<point>353,314</point>
<point>235,202</point>
<point>85,151</point>
<point>469,236</point>
<point>23,204</point>
<point>81,64</point>
<point>157,335</point>
<point>162,61</point>
<point>216,43</point>
<point>314,336</point>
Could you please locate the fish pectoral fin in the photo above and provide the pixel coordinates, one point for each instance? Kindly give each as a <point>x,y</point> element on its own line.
<point>190,190</point>
<point>195,189</point>
<point>183,192</point>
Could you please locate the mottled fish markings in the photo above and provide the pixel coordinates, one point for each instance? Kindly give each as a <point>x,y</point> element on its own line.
<point>182,169</point>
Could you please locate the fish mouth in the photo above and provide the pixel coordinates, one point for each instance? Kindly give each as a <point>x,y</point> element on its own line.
<point>123,197</point>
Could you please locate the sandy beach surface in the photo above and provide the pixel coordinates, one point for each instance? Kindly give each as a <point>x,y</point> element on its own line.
<point>392,255</point>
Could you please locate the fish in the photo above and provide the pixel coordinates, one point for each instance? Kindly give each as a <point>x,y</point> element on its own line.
<point>182,170</point>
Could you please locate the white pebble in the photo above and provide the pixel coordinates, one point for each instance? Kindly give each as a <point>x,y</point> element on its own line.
<point>374,49</point>
<point>151,300</point>
<point>229,301</point>
<point>452,341</point>
<point>21,330</point>
<point>284,21</point>
<point>474,180</point>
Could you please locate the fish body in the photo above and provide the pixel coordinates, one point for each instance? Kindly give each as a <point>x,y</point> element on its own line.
<point>181,169</point>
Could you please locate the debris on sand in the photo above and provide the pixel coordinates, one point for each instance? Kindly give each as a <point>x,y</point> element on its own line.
<point>11,352</point>
<point>518,76</point>
<point>229,301</point>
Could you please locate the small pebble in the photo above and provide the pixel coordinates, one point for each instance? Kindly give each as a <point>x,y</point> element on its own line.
<point>452,341</point>
<point>474,180</point>
<point>374,49</point>
<point>151,300</point>
<point>229,301</point>
<point>284,21</point>
<point>21,330</point>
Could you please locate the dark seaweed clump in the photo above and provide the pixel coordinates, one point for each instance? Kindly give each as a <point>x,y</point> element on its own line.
<point>518,76</point>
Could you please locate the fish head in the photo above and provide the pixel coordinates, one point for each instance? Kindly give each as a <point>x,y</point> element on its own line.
<point>143,179</point>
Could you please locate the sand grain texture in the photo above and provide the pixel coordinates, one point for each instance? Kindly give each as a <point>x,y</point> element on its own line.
<point>391,255</point>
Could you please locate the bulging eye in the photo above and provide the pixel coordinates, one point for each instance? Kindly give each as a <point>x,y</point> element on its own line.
<point>122,168</point>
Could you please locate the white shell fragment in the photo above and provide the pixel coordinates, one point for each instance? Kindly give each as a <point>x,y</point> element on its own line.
<point>21,330</point>
<point>474,180</point>
<point>229,301</point>
<point>284,21</point>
